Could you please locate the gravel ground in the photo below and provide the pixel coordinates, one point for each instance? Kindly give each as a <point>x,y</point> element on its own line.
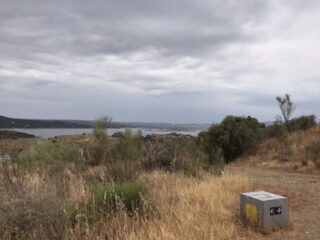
<point>303,191</point>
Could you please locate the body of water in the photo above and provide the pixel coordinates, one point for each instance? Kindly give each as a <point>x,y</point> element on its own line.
<point>52,132</point>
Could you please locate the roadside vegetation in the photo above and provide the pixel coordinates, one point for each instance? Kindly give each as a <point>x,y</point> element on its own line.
<point>289,143</point>
<point>131,186</point>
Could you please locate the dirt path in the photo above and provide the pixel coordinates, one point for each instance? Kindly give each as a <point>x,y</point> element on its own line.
<point>303,191</point>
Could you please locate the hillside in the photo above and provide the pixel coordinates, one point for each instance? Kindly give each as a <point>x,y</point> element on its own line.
<point>289,167</point>
<point>6,122</point>
<point>179,193</point>
<point>299,152</point>
<point>5,134</point>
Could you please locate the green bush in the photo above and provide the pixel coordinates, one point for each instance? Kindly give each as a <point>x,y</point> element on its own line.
<point>130,146</point>
<point>82,214</point>
<point>107,199</point>
<point>303,123</point>
<point>129,194</point>
<point>313,152</point>
<point>215,159</point>
<point>280,130</point>
<point>234,136</point>
<point>99,151</point>
<point>276,130</point>
<point>95,153</point>
<point>162,152</point>
<point>191,168</point>
<point>123,171</point>
<point>117,134</point>
<point>51,157</point>
<point>175,153</point>
<point>100,129</point>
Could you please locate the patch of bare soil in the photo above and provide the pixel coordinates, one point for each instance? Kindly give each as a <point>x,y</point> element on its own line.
<point>303,191</point>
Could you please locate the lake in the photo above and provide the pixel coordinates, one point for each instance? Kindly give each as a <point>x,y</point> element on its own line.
<point>52,132</point>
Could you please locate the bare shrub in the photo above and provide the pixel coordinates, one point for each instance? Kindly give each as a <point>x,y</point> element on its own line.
<point>30,207</point>
<point>175,153</point>
<point>32,217</point>
<point>313,152</point>
<point>287,108</point>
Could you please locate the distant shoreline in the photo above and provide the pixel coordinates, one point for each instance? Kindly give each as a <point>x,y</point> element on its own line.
<point>13,123</point>
<point>11,134</point>
<point>56,132</point>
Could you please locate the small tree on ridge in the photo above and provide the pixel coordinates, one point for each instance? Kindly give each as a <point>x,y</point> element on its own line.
<point>287,108</point>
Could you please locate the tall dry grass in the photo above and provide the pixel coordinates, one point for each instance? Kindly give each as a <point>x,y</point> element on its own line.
<point>47,193</point>
<point>176,207</point>
<point>290,153</point>
<point>179,208</point>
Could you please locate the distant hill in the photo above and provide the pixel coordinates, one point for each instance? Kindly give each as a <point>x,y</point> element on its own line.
<point>169,126</point>
<point>6,122</point>
<point>5,134</point>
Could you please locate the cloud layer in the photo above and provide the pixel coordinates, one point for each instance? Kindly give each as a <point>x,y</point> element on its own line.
<point>175,61</point>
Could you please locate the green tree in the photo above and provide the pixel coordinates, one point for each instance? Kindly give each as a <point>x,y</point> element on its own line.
<point>100,149</point>
<point>100,129</point>
<point>234,136</point>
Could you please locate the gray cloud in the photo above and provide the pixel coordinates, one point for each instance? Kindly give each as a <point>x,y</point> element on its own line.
<point>106,27</point>
<point>157,60</point>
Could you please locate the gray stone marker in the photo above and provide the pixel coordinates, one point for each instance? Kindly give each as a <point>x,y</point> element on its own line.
<point>268,210</point>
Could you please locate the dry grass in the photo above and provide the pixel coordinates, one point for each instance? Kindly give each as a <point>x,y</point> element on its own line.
<point>289,154</point>
<point>180,208</point>
<point>177,207</point>
<point>35,206</point>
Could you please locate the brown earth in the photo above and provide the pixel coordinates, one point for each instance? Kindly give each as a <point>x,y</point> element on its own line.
<point>303,191</point>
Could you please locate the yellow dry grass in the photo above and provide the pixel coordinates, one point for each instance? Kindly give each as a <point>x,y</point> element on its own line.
<point>182,208</point>
<point>289,154</point>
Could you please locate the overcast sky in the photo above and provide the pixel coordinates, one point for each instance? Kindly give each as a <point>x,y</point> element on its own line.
<point>147,60</point>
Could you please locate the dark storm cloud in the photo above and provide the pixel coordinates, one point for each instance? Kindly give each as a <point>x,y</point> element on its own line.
<point>203,56</point>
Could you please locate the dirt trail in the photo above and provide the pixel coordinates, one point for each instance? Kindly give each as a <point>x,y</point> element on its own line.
<point>303,191</point>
